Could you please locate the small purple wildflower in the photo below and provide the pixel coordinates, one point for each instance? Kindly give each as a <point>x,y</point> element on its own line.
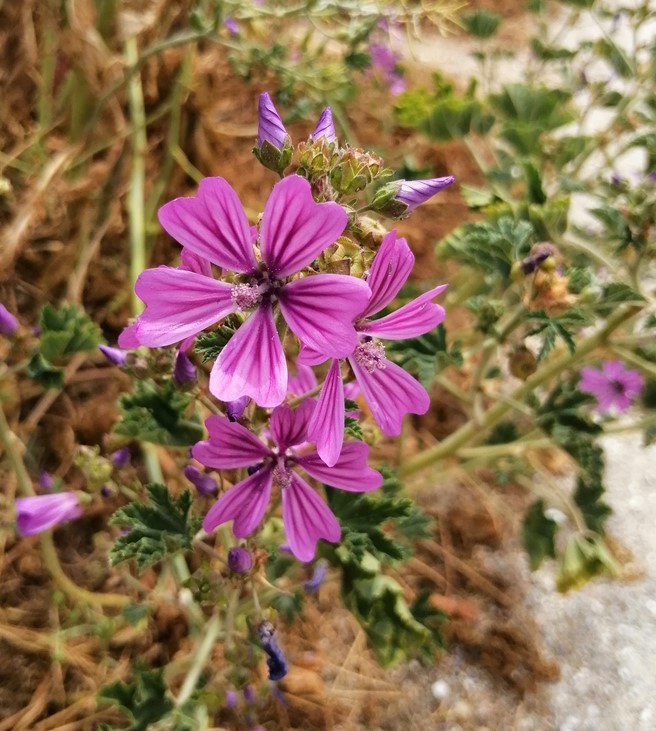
<point>41,512</point>
<point>385,60</point>
<point>184,371</point>
<point>614,386</point>
<point>294,230</point>
<point>8,323</point>
<point>117,356</point>
<point>205,484</point>
<point>325,127</point>
<point>121,457</point>
<point>235,409</point>
<point>318,577</point>
<point>45,480</point>
<point>231,699</point>
<point>306,517</point>
<point>106,491</point>
<point>240,560</point>
<point>389,391</point>
<point>231,25</point>
<point>276,660</point>
<point>249,694</point>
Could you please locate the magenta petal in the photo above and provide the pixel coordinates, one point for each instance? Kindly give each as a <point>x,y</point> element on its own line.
<point>302,382</point>
<point>129,338</point>
<point>194,263</point>
<point>252,363</point>
<point>391,393</point>
<point>351,471</point>
<point>593,381</point>
<point>326,428</point>
<point>37,513</point>
<point>389,270</point>
<point>178,304</point>
<point>230,445</point>
<point>213,225</point>
<point>245,503</point>
<point>416,318</point>
<point>306,518</point>
<point>295,229</point>
<point>289,427</point>
<point>309,357</point>
<point>320,310</point>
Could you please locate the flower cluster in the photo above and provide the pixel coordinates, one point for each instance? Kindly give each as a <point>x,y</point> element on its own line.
<point>272,284</point>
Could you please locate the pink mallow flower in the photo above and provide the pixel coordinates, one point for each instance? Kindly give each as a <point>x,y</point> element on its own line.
<point>305,515</point>
<point>41,512</point>
<point>614,386</point>
<point>294,230</point>
<point>389,391</point>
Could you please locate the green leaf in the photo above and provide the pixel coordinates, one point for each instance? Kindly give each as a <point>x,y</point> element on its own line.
<point>616,293</point>
<point>588,496</point>
<point>44,373</point>
<point>353,429</point>
<point>477,197</point>
<point>144,701</point>
<point>585,556</point>
<point>210,344</point>
<point>552,327</point>
<point>481,23</point>
<point>156,413</point>
<point>452,118</point>
<point>289,606</point>
<point>66,331</point>
<point>538,535</point>
<point>158,529</point>
<point>426,355</point>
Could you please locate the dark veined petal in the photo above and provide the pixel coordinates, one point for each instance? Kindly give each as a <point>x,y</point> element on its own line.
<point>302,382</point>
<point>389,271</point>
<point>416,318</point>
<point>320,310</point>
<point>230,445</point>
<point>179,304</point>
<point>391,393</point>
<point>252,363</point>
<point>289,426</point>
<point>245,504</point>
<point>212,225</point>
<point>325,127</point>
<point>326,427</point>
<point>351,471</point>
<point>306,518</point>
<point>295,229</point>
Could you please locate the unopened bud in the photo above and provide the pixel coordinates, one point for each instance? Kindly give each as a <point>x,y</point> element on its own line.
<point>240,560</point>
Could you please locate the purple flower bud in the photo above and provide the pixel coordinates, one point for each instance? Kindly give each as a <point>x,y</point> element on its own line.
<point>205,484</point>
<point>240,560</point>
<point>45,480</point>
<point>276,660</point>
<point>325,127</point>
<point>249,694</point>
<point>231,699</point>
<point>415,192</point>
<point>41,512</point>
<point>184,371</point>
<point>270,127</point>
<point>8,323</point>
<point>231,25</point>
<point>318,577</point>
<point>615,180</point>
<point>117,356</point>
<point>235,409</point>
<point>106,491</point>
<point>121,457</point>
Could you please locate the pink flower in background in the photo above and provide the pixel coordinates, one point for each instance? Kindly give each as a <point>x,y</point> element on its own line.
<point>614,386</point>
<point>389,391</point>
<point>306,516</point>
<point>41,512</point>
<point>294,230</point>
<point>385,60</point>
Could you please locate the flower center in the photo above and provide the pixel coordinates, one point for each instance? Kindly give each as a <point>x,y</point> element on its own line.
<point>282,475</point>
<point>617,387</point>
<point>245,296</point>
<point>370,355</point>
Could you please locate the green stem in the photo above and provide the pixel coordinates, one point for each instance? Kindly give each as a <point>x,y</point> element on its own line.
<point>200,655</point>
<point>649,369</point>
<point>473,428</point>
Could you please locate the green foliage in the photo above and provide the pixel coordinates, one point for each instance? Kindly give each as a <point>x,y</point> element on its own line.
<point>616,293</point>
<point>288,606</point>
<point>426,355</point>
<point>144,701</point>
<point>481,23</point>
<point>552,327</point>
<point>492,245</point>
<point>538,535</point>
<point>158,529</point>
<point>585,556</point>
<point>156,413</point>
<point>210,344</point>
<point>44,373</point>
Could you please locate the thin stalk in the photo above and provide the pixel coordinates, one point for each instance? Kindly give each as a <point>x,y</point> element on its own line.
<point>494,414</point>
<point>200,655</point>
